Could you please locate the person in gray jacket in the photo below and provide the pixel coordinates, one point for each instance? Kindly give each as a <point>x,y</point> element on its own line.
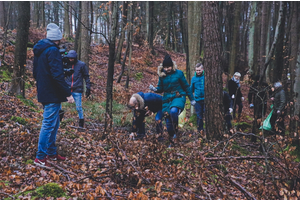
<point>75,81</point>
<point>279,103</point>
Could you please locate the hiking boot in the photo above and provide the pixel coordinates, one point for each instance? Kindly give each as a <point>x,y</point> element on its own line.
<point>41,162</point>
<point>139,137</point>
<point>81,123</point>
<point>56,157</point>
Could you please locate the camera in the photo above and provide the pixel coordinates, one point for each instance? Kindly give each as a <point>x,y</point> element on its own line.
<point>68,71</point>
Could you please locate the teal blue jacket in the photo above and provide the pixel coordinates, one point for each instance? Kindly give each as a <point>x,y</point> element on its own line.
<point>175,89</point>
<point>197,86</point>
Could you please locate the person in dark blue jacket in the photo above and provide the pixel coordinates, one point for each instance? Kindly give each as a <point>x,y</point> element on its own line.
<point>144,104</point>
<point>75,81</point>
<point>197,87</point>
<point>52,89</point>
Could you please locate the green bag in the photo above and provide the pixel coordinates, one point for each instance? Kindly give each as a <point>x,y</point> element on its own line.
<point>266,124</point>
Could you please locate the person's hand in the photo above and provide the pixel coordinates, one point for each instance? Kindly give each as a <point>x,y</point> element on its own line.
<point>148,113</point>
<point>70,99</point>
<point>88,92</point>
<point>232,96</point>
<point>278,111</point>
<point>151,87</point>
<point>193,102</point>
<point>242,98</point>
<point>272,98</point>
<point>230,110</point>
<point>251,105</point>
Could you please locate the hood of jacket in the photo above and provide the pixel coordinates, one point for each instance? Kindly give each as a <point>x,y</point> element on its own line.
<point>140,100</point>
<point>42,45</point>
<point>161,72</point>
<point>72,54</point>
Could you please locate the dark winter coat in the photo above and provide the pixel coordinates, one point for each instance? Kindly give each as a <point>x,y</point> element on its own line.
<point>175,88</point>
<point>279,99</point>
<point>151,101</point>
<point>234,88</point>
<point>227,103</point>
<point>75,81</point>
<point>197,86</point>
<point>48,73</point>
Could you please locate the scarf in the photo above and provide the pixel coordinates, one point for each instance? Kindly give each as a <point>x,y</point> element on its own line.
<point>237,81</point>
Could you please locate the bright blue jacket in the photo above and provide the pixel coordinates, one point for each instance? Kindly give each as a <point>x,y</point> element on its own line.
<point>197,86</point>
<point>48,73</point>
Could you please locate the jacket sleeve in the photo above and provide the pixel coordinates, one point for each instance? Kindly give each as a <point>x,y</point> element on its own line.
<point>230,88</point>
<point>186,87</point>
<point>282,100</point>
<point>56,70</point>
<point>160,87</point>
<point>86,76</point>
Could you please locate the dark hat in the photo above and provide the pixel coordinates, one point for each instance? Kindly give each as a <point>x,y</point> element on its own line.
<point>167,61</point>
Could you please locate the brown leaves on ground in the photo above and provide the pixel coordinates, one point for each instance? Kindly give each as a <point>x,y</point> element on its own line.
<point>119,168</point>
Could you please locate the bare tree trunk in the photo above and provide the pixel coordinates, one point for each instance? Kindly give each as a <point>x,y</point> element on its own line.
<point>56,10</point>
<point>85,37</point>
<point>71,18</point>
<point>263,34</point>
<point>66,21</point>
<point>194,35</point>
<point>42,5</point>
<point>18,82</point>
<point>130,46</point>
<point>5,31</point>
<point>2,14</point>
<point>110,71</point>
<point>183,26</point>
<point>294,40</point>
<point>151,25</point>
<point>235,38</point>
<point>174,39</point>
<point>123,25</point>
<point>37,13</point>
<point>77,45</point>
<point>213,72</point>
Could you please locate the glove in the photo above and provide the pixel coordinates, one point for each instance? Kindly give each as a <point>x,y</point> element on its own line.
<point>251,105</point>
<point>88,92</point>
<point>232,96</point>
<point>230,110</point>
<point>242,98</point>
<point>278,111</point>
<point>193,102</point>
<point>151,87</point>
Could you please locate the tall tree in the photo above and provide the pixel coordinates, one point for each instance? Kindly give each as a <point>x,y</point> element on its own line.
<point>294,40</point>
<point>263,37</point>
<point>78,30</point>
<point>66,20</point>
<point>2,14</point>
<point>123,27</point>
<point>251,37</point>
<point>235,38</point>
<point>110,71</point>
<point>85,37</point>
<point>130,43</point>
<point>213,72</point>
<point>194,35</point>
<point>42,5</point>
<point>37,13</point>
<point>18,81</point>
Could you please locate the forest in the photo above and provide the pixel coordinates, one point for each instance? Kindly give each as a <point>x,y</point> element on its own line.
<point>122,44</point>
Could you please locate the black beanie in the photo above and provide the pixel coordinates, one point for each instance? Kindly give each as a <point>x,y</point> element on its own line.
<point>167,61</point>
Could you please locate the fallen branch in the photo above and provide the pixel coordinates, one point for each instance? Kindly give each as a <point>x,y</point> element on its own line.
<point>241,188</point>
<point>8,195</point>
<point>236,158</point>
<point>62,169</point>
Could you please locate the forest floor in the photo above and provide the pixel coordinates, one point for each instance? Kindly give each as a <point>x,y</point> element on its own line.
<point>119,168</point>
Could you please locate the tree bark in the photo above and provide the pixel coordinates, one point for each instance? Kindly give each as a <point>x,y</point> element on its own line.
<point>18,82</point>
<point>194,35</point>
<point>235,38</point>
<point>66,21</point>
<point>110,71</point>
<point>77,44</point>
<point>55,12</point>
<point>43,20</point>
<point>37,13</point>
<point>123,26</point>
<point>294,40</point>
<point>85,37</point>
<point>213,72</point>
<point>263,35</point>
<point>130,46</point>
<point>2,14</point>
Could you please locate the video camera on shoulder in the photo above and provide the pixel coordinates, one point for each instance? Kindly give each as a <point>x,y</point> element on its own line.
<point>67,70</point>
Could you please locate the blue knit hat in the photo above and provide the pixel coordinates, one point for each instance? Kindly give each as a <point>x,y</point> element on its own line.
<point>72,54</point>
<point>167,61</point>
